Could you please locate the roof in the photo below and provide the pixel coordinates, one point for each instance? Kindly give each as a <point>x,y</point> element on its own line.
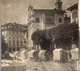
<point>75,6</point>
<point>43,10</point>
<point>14,24</point>
<point>49,11</point>
<point>14,27</point>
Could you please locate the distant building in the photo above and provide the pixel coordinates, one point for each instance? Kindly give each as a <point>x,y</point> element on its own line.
<point>44,19</point>
<point>74,19</point>
<point>74,13</point>
<point>15,35</point>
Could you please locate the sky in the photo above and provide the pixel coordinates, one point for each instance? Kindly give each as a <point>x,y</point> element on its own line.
<point>17,10</point>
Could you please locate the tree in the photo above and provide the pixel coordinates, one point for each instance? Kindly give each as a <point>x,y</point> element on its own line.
<point>65,35</point>
<point>39,37</point>
<point>4,46</point>
<point>35,37</point>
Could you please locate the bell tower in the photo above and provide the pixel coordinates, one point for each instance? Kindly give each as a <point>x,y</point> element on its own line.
<point>30,11</point>
<point>59,13</point>
<point>58,4</point>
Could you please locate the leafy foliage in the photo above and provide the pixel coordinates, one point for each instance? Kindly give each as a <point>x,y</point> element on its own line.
<point>64,34</point>
<point>4,46</point>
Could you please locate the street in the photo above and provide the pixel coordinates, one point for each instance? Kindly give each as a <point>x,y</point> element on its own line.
<point>50,66</point>
<point>40,66</point>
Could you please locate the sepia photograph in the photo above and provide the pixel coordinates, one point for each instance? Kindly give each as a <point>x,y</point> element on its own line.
<point>39,35</point>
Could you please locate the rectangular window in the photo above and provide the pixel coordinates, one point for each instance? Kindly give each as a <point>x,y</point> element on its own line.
<point>9,32</point>
<point>37,20</point>
<point>13,42</point>
<point>60,20</point>
<point>74,15</point>
<point>13,32</point>
<point>9,38</point>
<point>49,19</point>
<point>9,42</point>
<point>17,32</point>
<point>21,42</point>
<point>17,42</point>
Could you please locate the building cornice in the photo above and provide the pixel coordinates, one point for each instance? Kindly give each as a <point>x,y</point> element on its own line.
<point>75,6</point>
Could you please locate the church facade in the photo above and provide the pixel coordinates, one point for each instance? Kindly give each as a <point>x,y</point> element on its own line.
<point>40,19</point>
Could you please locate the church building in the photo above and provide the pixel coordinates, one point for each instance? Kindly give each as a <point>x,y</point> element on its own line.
<point>40,19</point>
